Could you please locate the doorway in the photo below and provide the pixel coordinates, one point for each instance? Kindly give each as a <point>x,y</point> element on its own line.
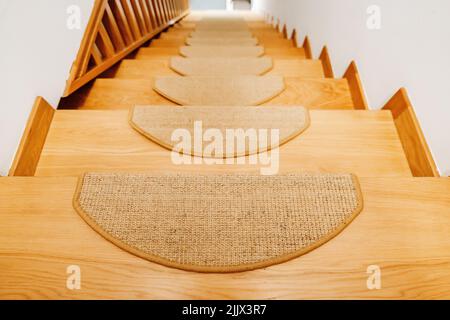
<point>239,5</point>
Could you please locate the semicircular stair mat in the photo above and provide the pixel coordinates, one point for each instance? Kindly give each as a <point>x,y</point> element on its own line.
<point>221,66</point>
<point>223,35</point>
<point>220,91</point>
<point>222,41</point>
<point>222,26</point>
<point>158,123</point>
<point>218,223</point>
<point>222,29</point>
<point>221,19</point>
<point>221,51</point>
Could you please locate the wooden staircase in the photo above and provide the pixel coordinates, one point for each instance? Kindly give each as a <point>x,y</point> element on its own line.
<point>404,228</point>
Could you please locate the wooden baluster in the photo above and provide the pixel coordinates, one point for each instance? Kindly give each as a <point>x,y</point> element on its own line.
<point>96,54</point>
<point>172,9</point>
<point>152,12</point>
<point>163,11</point>
<point>104,42</point>
<point>175,7</point>
<point>139,16</point>
<point>180,5</point>
<point>113,29</point>
<point>117,27</point>
<point>169,9</point>
<point>87,44</point>
<point>158,15</point>
<point>122,22</point>
<point>131,18</point>
<point>146,15</point>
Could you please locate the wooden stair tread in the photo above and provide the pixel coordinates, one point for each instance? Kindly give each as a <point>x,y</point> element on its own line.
<point>362,142</point>
<point>176,34</point>
<point>260,36</point>
<point>124,93</point>
<point>261,26</point>
<point>403,229</point>
<point>115,94</point>
<point>315,93</point>
<point>276,53</point>
<point>267,35</point>
<point>285,51</point>
<point>188,25</point>
<point>148,69</point>
<point>143,69</point>
<point>298,68</point>
<point>268,43</point>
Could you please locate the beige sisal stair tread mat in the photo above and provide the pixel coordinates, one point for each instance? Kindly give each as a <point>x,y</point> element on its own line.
<point>220,26</point>
<point>218,223</point>
<point>221,66</point>
<point>220,91</point>
<point>159,123</point>
<point>222,51</point>
<point>222,41</point>
<point>221,34</point>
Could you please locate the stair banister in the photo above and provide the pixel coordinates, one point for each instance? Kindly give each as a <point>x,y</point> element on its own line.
<point>115,29</point>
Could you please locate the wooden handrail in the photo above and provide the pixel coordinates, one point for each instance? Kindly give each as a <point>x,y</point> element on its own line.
<point>115,29</point>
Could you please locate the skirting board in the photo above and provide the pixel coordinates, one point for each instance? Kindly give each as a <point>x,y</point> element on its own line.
<point>326,63</point>
<point>293,36</point>
<point>33,139</point>
<point>307,47</point>
<point>356,87</point>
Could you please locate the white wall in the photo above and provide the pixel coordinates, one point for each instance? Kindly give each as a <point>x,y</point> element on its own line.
<point>412,49</point>
<point>208,4</point>
<point>37,51</point>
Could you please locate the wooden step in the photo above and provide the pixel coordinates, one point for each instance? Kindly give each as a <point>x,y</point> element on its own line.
<point>148,69</point>
<point>167,52</point>
<point>312,93</point>
<point>302,68</point>
<point>403,229</point>
<point>363,142</point>
<point>267,43</point>
<point>176,33</point>
<point>251,25</point>
<point>114,94</point>
<point>184,34</point>
<point>248,16</point>
<point>315,94</point>
<point>143,69</point>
